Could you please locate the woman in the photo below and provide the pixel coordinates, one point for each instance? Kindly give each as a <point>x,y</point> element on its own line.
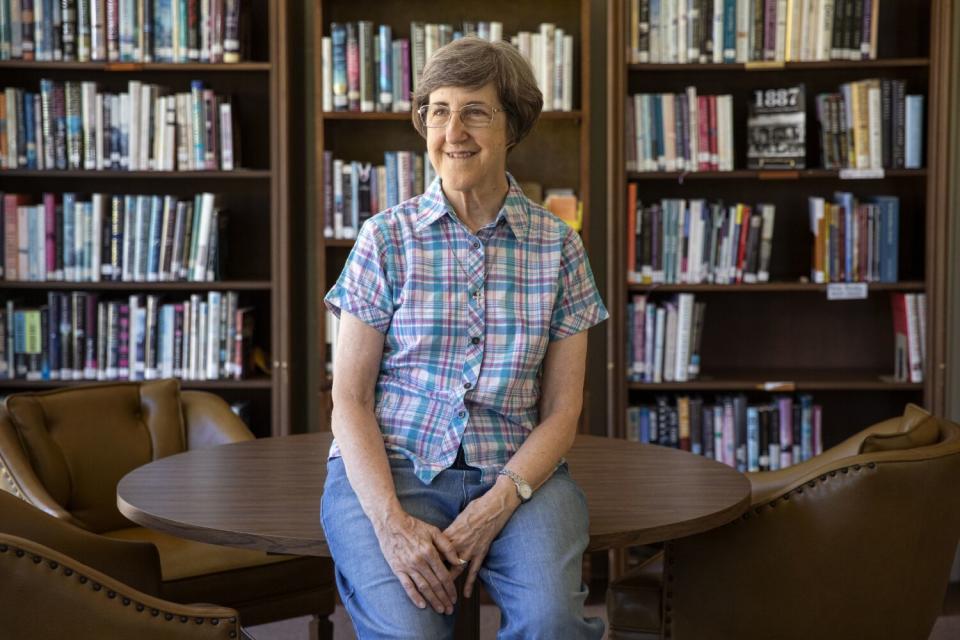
<point>459,379</point>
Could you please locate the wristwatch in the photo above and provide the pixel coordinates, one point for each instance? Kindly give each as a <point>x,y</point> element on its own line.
<point>524,491</point>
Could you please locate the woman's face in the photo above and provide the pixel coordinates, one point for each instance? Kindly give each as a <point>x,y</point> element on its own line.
<point>468,157</point>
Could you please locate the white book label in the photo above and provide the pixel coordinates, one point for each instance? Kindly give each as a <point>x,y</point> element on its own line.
<point>847,291</point>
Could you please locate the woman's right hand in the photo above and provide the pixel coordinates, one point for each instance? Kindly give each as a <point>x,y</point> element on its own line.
<point>413,550</point>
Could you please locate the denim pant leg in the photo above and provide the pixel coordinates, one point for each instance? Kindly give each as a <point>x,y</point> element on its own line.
<point>371,593</point>
<point>533,569</point>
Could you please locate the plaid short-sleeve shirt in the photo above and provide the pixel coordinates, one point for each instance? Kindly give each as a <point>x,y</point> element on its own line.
<point>467,319</point>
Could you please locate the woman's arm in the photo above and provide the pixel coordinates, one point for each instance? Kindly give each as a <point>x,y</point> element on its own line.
<point>561,400</point>
<point>411,547</point>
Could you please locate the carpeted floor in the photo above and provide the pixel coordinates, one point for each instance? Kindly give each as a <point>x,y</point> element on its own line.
<point>947,627</point>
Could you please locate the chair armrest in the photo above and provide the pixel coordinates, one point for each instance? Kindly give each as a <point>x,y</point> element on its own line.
<point>210,422</point>
<point>17,475</point>
<point>767,485</point>
<point>47,594</point>
<point>135,563</point>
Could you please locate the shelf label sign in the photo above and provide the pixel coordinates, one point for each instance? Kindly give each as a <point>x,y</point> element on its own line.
<point>861,174</point>
<point>847,291</point>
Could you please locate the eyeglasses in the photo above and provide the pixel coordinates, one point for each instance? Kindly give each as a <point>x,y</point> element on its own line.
<point>474,115</point>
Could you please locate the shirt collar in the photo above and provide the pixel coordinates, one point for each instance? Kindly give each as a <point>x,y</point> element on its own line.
<point>433,205</point>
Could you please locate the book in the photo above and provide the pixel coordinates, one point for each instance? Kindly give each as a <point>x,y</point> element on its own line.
<point>776,129</point>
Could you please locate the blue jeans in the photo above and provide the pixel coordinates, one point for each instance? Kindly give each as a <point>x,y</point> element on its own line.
<point>532,570</point>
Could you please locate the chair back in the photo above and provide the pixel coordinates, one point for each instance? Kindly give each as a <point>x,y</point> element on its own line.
<point>80,441</point>
<point>863,549</point>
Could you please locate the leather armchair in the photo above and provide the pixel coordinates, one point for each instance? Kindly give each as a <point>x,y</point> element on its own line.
<point>854,543</point>
<point>60,581</point>
<point>64,452</point>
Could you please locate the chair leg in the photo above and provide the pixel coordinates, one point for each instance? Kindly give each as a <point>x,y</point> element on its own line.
<point>321,628</point>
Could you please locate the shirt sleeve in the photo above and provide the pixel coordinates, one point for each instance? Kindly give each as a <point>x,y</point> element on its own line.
<point>578,305</point>
<point>363,289</point>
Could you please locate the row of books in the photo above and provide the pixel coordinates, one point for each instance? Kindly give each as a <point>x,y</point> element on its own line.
<point>749,437</point>
<point>910,336</point>
<point>871,124</point>
<point>366,69</point>
<point>679,132</point>
<point>78,336</point>
<point>729,31</point>
<point>854,241</point>
<point>663,339</point>
<point>354,191</point>
<point>121,30</point>
<point>680,241</point>
<point>131,238</point>
<point>77,126</point>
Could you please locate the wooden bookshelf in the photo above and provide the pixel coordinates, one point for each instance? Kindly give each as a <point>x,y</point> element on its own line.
<point>556,154</point>
<point>785,331</point>
<point>260,199</point>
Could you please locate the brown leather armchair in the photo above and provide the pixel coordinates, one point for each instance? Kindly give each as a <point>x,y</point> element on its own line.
<point>854,543</point>
<point>65,451</point>
<point>60,581</point>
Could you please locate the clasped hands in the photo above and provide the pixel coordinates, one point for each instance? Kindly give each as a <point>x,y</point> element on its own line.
<point>416,550</point>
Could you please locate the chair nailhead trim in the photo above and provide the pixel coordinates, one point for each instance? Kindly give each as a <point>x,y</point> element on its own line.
<point>83,579</point>
<point>199,620</point>
<point>232,620</point>
<point>126,602</point>
<point>19,553</point>
<point>53,564</point>
<point>140,607</point>
<point>856,467</point>
<point>168,616</point>
<point>872,465</point>
<point>215,621</point>
<point>154,612</point>
<point>37,559</point>
<point>111,594</point>
<point>233,634</point>
<point>67,571</point>
<point>3,548</point>
<point>184,619</point>
<point>96,587</point>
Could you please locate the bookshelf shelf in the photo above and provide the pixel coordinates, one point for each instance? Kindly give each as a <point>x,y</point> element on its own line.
<point>239,174</point>
<point>769,287</point>
<point>827,65</point>
<point>137,67</point>
<point>788,330</point>
<point>782,175</point>
<point>404,116</point>
<point>254,384</point>
<point>147,287</point>
<point>783,382</point>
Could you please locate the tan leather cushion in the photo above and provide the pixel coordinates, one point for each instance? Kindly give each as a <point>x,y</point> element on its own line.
<point>634,601</point>
<point>917,429</point>
<point>81,441</point>
<point>180,558</point>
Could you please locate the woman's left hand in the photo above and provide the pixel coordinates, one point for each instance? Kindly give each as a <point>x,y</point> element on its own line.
<point>479,524</point>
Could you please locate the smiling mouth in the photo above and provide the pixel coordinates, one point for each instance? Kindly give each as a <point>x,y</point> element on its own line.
<point>461,155</point>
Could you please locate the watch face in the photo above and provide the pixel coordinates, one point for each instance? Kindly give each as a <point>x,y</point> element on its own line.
<point>525,491</point>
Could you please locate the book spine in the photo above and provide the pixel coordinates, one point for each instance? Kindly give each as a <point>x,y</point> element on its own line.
<point>353,67</point>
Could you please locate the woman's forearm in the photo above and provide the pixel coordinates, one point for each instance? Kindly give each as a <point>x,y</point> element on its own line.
<point>537,458</point>
<point>365,460</point>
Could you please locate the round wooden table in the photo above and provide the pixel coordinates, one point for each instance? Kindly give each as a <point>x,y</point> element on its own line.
<point>265,494</point>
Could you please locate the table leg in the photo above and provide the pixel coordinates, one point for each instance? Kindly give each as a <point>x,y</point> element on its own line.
<point>468,613</point>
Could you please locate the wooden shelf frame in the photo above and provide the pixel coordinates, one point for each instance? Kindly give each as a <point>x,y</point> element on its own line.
<point>937,74</point>
<point>329,253</point>
<point>271,80</point>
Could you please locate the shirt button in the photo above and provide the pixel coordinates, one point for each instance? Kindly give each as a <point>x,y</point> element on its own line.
<point>475,340</point>
<point>467,385</point>
<point>476,245</point>
<point>462,414</point>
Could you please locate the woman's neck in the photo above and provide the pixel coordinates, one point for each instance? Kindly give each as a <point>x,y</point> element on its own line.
<point>478,207</point>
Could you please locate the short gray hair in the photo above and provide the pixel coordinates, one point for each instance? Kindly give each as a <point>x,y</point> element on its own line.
<point>472,63</point>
